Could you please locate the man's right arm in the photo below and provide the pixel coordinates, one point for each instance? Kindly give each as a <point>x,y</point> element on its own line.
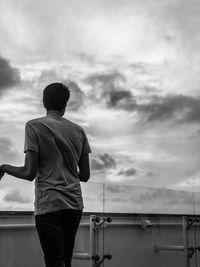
<point>84,167</point>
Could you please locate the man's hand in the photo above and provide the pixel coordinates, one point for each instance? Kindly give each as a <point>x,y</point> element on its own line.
<point>1,172</point>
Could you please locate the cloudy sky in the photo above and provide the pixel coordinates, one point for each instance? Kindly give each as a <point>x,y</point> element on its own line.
<point>133,67</point>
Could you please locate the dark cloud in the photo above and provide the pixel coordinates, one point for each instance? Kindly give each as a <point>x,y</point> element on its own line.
<point>108,161</point>
<point>180,107</point>
<point>121,99</point>
<point>104,161</point>
<point>9,76</point>
<point>128,172</point>
<point>107,87</point>
<point>15,196</point>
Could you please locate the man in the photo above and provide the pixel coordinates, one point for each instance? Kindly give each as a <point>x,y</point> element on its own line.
<point>57,157</point>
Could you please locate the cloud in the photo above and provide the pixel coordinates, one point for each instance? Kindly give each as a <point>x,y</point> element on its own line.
<point>123,198</point>
<point>144,195</point>
<point>108,161</point>
<point>121,99</point>
<point>139,68</point>
<point>180,107</point>
<point>96,164</point>
<point>104,83</point>
<point>109,87</point>
<point>7,150</point>
<point>128,172</point>
<point>9,76</point>
<point>114,189</point>
<point>48,76</point>
<point>104,161</point>
<point>106,80</point>
<point>76,96</point>
<point>183,19</point>
<point>165,196</point>
<point>5,145</point>
<point>86,57</point>
<point>15,196</point>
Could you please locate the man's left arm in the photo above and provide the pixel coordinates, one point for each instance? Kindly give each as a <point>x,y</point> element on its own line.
<point>26,172</point>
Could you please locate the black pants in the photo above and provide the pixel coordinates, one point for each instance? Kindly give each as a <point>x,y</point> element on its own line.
<point>57,231</point>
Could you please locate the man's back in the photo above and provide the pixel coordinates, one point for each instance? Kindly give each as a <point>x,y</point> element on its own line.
<point>60,144</point>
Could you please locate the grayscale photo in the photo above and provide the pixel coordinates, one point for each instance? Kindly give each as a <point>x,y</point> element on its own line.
<point>99,133</point>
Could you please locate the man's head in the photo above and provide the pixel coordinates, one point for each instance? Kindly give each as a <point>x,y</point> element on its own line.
<point>56,96</point>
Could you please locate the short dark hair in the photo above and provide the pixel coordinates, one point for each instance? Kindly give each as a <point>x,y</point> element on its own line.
<point>56,96</point>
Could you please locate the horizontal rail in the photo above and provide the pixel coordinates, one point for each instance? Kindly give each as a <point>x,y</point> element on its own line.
<point>158,247</point>
<point>81,256</point>
<point>153,224</point>
<point>26,225</point>
<point>140,224</point>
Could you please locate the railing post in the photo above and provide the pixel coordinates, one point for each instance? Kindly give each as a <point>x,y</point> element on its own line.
<point>95,225</point>
<point>186,241</point>
<point>94,252</point>
<point>92,239</point>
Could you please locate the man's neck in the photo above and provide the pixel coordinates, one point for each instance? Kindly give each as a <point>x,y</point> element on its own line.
<point>54,113</point>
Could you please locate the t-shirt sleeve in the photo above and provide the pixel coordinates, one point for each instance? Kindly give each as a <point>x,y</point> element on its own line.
<point>86,146</point>
<point>31,141</point>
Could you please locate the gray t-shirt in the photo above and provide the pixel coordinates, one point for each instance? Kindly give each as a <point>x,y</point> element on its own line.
<point>60,144</point>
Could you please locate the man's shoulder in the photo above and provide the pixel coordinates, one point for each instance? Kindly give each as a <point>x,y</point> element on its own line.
<point>35,121</point>
<point>73,124</point>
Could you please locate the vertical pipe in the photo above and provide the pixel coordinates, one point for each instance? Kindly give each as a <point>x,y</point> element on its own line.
<point>97,241</point>
<point>186,241</point>
<point>92,240</point>
<point>195,234</point>
<point>104,202</point>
